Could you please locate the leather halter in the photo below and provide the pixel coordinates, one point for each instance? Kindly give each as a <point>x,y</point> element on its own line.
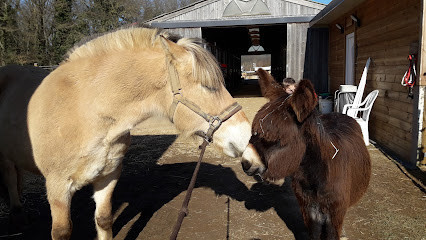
<point>214,121</point>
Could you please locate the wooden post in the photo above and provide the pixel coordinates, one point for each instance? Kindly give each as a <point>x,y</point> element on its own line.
<point>421,73</point>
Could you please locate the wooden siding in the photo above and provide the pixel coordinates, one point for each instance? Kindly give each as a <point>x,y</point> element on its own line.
<point>389,32</point>
<point>296,47</point>
<point>212,10</point>
<point>187,32</point>
<point>287,8</point>
<point>422,77</point>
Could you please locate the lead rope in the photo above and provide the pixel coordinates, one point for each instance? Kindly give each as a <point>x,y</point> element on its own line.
<point>184,209</point>
<point>214,125</point>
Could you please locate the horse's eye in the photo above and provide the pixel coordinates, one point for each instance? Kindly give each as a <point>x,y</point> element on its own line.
<point>210,88</point>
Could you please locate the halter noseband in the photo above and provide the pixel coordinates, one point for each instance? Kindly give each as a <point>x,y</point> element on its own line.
<point>214,121</point>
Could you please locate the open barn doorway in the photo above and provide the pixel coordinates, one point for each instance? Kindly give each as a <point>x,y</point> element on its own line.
<point>231,46</point>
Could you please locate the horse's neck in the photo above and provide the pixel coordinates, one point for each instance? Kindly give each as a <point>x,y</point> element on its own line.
<point>125,100</point>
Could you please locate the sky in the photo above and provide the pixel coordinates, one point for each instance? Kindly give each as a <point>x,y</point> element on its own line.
<point>323,1</point>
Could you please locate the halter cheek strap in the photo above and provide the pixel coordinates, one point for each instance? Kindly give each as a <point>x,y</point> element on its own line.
<point>214,121</point>
<point>214,124</point>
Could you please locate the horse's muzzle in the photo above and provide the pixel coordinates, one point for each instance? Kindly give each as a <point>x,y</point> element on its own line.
<point>251,162</point>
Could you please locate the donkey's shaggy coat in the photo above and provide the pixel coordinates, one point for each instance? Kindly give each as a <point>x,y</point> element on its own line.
<point>325,155</point>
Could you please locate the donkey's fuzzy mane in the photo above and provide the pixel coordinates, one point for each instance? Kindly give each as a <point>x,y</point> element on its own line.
<point>204,66</point>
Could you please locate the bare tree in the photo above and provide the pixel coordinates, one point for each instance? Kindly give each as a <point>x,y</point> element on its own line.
<point>8,31</point>
<point>43,30</point>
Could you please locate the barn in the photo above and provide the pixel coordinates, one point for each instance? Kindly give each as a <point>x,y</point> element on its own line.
<point>387,31</point>
<point>233,28</point>
<point>307,39</point>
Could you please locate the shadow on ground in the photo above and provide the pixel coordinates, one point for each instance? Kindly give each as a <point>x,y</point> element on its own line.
<point>145,187</point>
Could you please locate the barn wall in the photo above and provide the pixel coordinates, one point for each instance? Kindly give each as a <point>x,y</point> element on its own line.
<point>186,32</point>
<point>389,32</point>
<point>214,9</point>
<point>296,46</point>
<point>289,8</point>
<point>422,77</point>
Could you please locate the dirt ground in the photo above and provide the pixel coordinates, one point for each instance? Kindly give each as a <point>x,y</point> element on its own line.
<point>226,203</point>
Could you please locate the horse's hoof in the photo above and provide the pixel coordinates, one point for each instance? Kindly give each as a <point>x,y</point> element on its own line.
<point>105,222</point>
<point>18,221</point>
<point>63,233</point>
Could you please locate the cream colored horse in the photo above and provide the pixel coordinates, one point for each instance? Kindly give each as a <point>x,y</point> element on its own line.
<point>80,116</point>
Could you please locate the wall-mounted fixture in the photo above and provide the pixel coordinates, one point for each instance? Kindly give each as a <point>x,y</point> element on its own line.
<point>356,20</point>
<point>254,34</point>
<point>339,27</point>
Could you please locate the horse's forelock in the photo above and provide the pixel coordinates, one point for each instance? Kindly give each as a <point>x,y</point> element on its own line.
<point>205,68</point>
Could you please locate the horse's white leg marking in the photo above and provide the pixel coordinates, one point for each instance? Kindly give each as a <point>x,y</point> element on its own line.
<point>103,188</point>
<point>59,194</point>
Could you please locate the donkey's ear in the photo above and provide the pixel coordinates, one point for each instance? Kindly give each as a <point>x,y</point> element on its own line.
<point>304,100</point>
<point>268,86</point>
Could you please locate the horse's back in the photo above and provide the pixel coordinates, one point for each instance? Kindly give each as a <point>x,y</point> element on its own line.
<point>17,85</point>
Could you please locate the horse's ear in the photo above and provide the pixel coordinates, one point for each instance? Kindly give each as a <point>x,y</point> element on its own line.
<point>304,100</point>
<point>268,86</point>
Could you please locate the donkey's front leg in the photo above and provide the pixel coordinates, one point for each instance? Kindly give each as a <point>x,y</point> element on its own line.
<point>59,194</point>
<point>335,225</point>
<point>103,188</point>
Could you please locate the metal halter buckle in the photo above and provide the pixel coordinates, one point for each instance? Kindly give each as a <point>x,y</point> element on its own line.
<point>215,120</point>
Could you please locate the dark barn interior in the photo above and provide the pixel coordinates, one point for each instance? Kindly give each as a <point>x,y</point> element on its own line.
<point>228,44</point>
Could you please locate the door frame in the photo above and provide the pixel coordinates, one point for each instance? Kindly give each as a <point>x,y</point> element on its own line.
<point>350,59</point>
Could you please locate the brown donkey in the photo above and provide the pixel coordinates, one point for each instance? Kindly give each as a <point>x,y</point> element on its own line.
<point>325,155</point>
<point>74,125</point>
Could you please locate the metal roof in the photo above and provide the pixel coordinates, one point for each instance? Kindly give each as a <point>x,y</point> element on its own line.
<point>233,22</point>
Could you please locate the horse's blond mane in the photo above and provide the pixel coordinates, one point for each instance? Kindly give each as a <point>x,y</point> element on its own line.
<point>204,65</point>
<point>129,38</point>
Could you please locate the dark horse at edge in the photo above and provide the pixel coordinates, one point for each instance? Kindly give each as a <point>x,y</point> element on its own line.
<point>324,154</point>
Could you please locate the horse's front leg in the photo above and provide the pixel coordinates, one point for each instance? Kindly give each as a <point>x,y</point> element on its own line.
<point>103,188</point>
<point>59,194</point>
<point>12,178</point>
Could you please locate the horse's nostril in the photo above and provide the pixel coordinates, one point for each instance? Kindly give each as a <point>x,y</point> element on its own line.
<point>246,165</point>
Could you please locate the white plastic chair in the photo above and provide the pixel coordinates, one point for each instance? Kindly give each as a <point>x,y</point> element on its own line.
<point>360,90</point>
<point>363,113</point>
<point>344,95</point>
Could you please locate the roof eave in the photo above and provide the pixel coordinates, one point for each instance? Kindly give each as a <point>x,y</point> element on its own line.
<point>333,11</point>
<point>232,22</point>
